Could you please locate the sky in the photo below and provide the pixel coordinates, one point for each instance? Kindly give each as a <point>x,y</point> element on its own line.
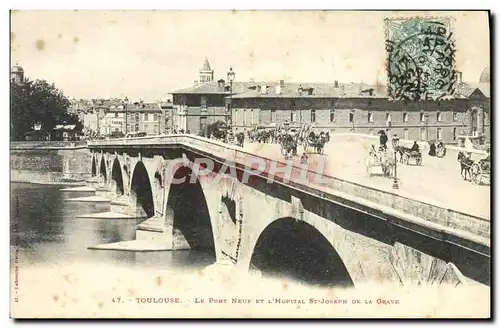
<point>148,54</point>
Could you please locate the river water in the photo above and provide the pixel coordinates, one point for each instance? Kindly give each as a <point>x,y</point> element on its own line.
<point>44,231</point>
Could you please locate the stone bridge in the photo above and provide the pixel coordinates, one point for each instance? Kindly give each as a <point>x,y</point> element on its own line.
<point>337,232</point>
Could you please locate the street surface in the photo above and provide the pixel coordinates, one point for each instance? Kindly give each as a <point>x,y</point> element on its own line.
<point>437,180</point>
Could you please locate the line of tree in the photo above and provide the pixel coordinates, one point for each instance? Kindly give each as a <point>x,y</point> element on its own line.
<point>37,101</point>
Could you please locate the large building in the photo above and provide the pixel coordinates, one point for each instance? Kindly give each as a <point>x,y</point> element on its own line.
<point>334,107</point>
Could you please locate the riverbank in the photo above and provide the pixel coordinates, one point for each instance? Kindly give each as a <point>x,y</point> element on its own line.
<point>46,178</point>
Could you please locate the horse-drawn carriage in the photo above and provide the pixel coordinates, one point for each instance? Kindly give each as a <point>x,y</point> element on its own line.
<point>379,158</point>
<point>307,138</point>
<point>409,155</point>
<point>480,170</point>
<point>477,170</point>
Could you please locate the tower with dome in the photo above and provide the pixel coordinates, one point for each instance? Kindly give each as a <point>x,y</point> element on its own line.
<point>17,74</point>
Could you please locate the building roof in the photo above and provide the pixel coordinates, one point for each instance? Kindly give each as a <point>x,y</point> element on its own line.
<point>215,88</point>
<point>16,69</point>
<point>465,90</point>
<point>68,127</point>
<point>137,107</point>
<point>206,65</point>
<point>316,90</point>
<point>485,75</point>
<point>245,90</point>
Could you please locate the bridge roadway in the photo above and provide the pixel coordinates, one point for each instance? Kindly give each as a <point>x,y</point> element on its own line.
<point>436,181</point>
<point>432,199</point>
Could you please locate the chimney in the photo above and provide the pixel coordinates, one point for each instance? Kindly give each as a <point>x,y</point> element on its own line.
<point>278,89</point>
<point>459,77</point>
<point>263,89</point>
<point>282,83</point>
<point>221,83</point>
<point>336,84</point>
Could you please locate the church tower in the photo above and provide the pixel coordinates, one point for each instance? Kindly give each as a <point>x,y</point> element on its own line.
<point>206,73</point>
<point>17,74</point>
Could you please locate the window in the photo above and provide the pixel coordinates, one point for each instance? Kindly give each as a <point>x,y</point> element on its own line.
<point>422,117</point>
<point>116,129</point>
<point>128,128</point>
<point>155,128</point>
<point>252,119</point>
<point>332,115</point>
<point>146,117</point>
<point>137,128</point>
<point>455,116</point>
<point>405,117</point>
<point>370,117</point>
<point>155,117</point>
<point>236,117</point>
<point>313,115</point>
<point>388,117</point>
<point>438,116</point>
<point>293,116</point>
<point>405,134</point>
<point>423,134</point>
<point>273,115</point>
<point>137,117</point>
<point>351,117</point>
<point>439,134</point>
<point>116,115</point>
<point>454,134</point>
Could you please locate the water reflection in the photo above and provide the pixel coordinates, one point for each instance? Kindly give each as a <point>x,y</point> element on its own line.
<point>44,230</point>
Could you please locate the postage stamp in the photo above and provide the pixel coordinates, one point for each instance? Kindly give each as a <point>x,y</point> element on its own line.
<point>420,58</point>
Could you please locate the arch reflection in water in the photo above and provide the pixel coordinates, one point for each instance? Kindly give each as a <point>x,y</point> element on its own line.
<point>296,250</point>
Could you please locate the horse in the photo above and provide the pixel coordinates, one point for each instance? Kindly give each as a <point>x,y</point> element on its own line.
<point>465,164</point>
<point>240,137</point>
<point>401,150</point>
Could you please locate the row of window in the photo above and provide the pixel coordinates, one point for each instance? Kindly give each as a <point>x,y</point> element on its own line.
<point>137,118</point>
<point>423,116</point>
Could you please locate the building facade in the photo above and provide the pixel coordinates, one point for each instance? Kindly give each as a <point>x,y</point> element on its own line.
<point>335,107</point>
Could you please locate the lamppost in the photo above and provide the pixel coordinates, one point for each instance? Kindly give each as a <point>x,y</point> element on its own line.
<point>230,78</point>
<point>395,143</point>
<point>300,89</point>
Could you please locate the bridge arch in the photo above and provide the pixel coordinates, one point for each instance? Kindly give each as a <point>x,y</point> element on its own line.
<point>93,167</point>
<point>296,249</point>
<point>140,189</point>
<point>103,170</point>
<point>117,178</point>
<point>187,210</point>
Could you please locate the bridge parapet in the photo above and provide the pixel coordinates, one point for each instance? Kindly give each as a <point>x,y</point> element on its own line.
<point>424,216</point>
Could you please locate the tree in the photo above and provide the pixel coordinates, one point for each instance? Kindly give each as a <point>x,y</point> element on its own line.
<point>35,101</point>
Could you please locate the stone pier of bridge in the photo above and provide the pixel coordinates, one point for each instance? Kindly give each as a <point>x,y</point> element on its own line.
<point>339,232</point>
